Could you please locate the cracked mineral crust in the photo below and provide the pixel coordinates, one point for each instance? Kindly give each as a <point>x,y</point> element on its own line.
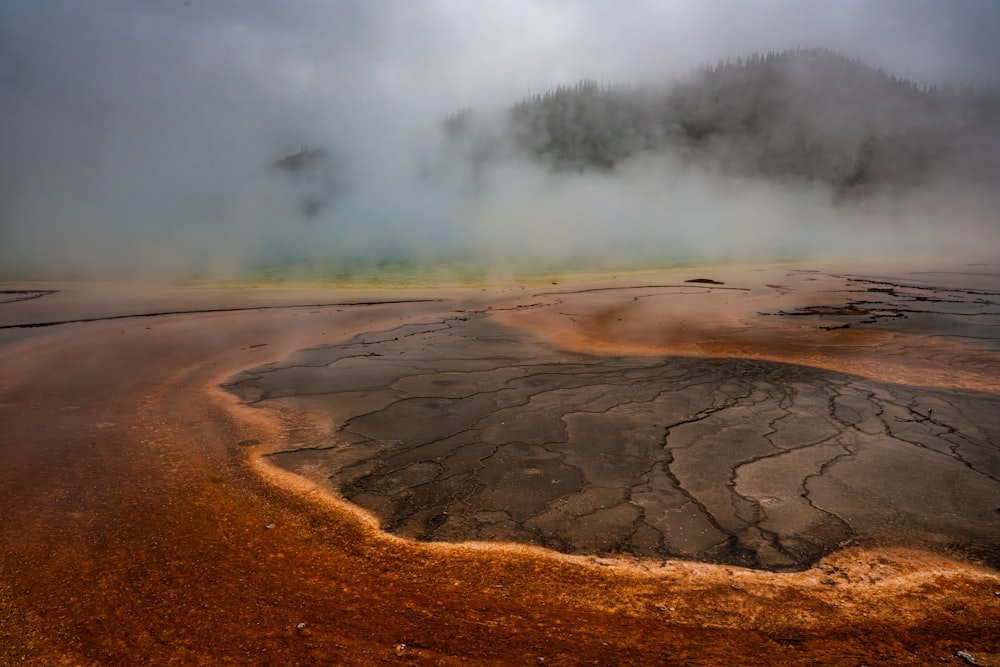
<point>469,429</point>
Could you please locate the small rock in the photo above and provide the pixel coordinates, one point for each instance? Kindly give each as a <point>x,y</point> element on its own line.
<point>300,626</point>
<point>400,649</point>
<point>737,587</point>
<point>968,657</point>
<point>270,526</point>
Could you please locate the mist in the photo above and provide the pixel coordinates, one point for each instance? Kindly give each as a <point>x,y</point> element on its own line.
<point>151,140</point>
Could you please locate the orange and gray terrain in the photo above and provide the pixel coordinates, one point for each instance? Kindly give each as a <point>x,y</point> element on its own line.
<point>751,465</point>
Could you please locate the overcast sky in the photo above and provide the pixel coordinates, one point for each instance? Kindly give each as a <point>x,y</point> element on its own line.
<point>130,127</point>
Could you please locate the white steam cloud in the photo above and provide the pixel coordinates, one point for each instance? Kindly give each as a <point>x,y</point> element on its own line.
<point>140,138</point>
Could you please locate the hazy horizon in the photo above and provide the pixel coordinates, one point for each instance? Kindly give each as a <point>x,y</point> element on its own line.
<point>139,139</point>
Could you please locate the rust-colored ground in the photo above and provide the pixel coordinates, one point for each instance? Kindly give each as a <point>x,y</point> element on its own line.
<point>137,530</point>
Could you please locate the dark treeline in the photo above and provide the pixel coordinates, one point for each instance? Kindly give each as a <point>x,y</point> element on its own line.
<point>808,115</point>
<point>318,176</point>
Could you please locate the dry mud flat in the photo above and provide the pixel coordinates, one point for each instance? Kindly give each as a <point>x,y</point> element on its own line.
<point>638,422</point>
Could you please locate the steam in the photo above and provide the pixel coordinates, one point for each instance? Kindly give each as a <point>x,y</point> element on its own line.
<point>140,139</point>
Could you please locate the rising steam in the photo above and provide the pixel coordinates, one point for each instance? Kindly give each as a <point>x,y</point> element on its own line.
<point>213,141</point>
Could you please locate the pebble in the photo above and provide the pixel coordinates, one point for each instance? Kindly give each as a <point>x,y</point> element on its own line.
<point>968,657</point>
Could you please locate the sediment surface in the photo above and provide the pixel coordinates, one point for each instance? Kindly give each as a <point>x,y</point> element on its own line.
<point>464,429</point>
<point>145,520</point>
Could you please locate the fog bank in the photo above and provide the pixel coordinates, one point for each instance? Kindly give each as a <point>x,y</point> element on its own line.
<point>145,140</point>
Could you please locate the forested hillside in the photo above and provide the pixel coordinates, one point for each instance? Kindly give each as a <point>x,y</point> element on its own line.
<point>804,115</point>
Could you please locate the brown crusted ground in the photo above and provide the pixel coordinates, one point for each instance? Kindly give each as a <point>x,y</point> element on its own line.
<point>137,530</point>
<point>749,317</point>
